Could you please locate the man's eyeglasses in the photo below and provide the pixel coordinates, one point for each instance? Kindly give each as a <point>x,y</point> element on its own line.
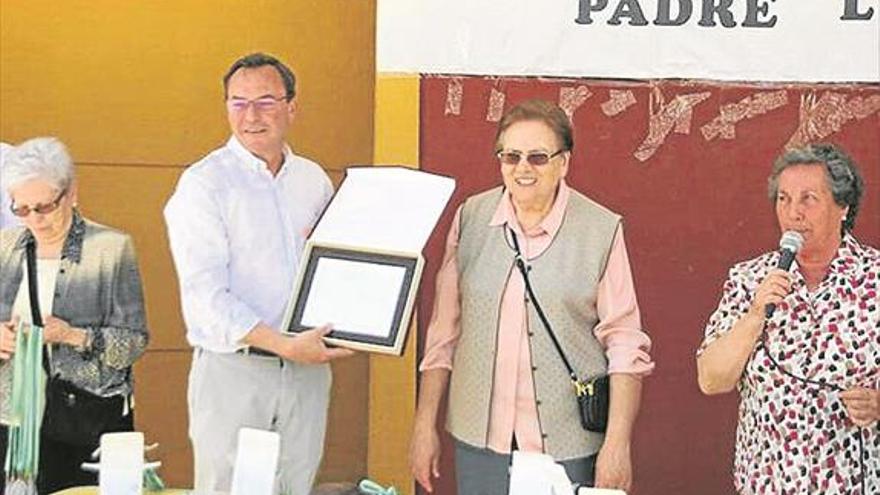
<point>534,158</point>
<point>41,208</point>
<point>261,104</point>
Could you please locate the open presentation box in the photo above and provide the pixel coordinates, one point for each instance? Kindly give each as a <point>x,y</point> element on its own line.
<point>360,269</point>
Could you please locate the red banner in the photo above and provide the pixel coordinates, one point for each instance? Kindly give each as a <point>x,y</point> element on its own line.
<point>686,164</point>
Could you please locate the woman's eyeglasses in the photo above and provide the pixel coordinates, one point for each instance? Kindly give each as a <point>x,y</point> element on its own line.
<point>41,208</point>
<point>534,158</point>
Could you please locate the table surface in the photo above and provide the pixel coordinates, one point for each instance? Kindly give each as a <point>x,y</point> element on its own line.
<point>93,490</point>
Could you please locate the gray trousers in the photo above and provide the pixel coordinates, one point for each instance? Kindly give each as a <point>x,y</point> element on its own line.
<point>485,472</point>
<point>231,391</point>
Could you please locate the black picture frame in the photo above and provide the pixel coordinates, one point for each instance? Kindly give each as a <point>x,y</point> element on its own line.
<point>394,337</point>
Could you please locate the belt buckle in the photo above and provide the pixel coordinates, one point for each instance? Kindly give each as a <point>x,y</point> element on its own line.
<point>253,351</point>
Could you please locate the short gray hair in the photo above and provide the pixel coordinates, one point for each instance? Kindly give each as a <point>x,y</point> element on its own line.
<point>44,158</point>
<point>844,180</point>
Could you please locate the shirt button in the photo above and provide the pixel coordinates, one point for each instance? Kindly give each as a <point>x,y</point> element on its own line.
<point>531,334</point>
<point>537,402</point>
<point>534,368</point>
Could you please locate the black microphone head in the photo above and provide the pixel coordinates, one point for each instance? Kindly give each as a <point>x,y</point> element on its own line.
<point>791,241</point>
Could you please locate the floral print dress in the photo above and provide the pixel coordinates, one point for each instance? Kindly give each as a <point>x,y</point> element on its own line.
<point>794,437</point>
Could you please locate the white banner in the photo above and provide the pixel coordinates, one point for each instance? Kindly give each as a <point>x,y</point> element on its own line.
<point>738,40</point>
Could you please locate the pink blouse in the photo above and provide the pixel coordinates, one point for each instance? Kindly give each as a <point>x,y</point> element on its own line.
<point>513,409</point>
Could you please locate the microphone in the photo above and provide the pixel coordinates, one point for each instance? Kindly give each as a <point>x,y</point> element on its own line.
<point>789,245</point>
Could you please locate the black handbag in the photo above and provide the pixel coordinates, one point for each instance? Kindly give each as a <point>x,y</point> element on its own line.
<point>78,417</point>
<point>73,415</point>
<point>593,395</point>
<point>593,403</point>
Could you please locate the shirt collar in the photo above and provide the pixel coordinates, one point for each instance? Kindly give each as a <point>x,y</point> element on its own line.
<point>72,249</point>
<point>505,214</point>
<point>254,163</point>
<point>845,260</point>
<point>847,257</point>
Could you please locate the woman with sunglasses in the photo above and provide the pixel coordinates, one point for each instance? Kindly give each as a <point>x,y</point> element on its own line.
<point>508,387</point>
<point>91,302</point>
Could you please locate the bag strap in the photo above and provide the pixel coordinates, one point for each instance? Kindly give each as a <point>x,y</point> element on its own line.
<point>33,293</point>
<point>521,264</point>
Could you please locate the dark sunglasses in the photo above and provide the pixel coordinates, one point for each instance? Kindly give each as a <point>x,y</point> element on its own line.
<point>534,158</point>
<point>42,209</point>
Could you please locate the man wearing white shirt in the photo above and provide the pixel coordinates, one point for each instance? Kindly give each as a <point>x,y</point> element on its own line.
<point>7,219</point>
<point>237,223</point>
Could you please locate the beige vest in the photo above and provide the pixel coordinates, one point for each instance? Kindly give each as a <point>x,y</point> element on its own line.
<point>564,278</point>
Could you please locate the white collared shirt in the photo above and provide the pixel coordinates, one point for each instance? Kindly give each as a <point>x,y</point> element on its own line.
<point>236,235</point>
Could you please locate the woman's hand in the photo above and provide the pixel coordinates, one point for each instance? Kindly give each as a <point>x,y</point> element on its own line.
<point>772,290</point>
<point>58,331</point>
<point>614,467</point>
<point>862,405</point>
<point>7,338</point>
<point>424,455</point>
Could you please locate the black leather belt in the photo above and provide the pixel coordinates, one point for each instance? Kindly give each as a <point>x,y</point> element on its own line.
<point>255,351</point>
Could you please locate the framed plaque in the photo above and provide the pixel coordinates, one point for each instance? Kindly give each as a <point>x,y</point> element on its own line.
<point>367,295</point>
<point>361,267</point>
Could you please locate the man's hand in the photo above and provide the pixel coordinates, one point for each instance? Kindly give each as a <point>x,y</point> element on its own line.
<point>308,347</point>
<point>862,405</point>
<point>614,466</point>
<point>424,455</point>
<point>7,338</point>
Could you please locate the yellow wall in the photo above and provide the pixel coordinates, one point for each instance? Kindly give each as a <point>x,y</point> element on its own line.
<point>134,89</point>
<point>393,380</point>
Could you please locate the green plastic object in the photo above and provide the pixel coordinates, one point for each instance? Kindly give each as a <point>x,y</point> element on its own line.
<point>152,481</point>
<point>369,487</point>
<point>26,405</point>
